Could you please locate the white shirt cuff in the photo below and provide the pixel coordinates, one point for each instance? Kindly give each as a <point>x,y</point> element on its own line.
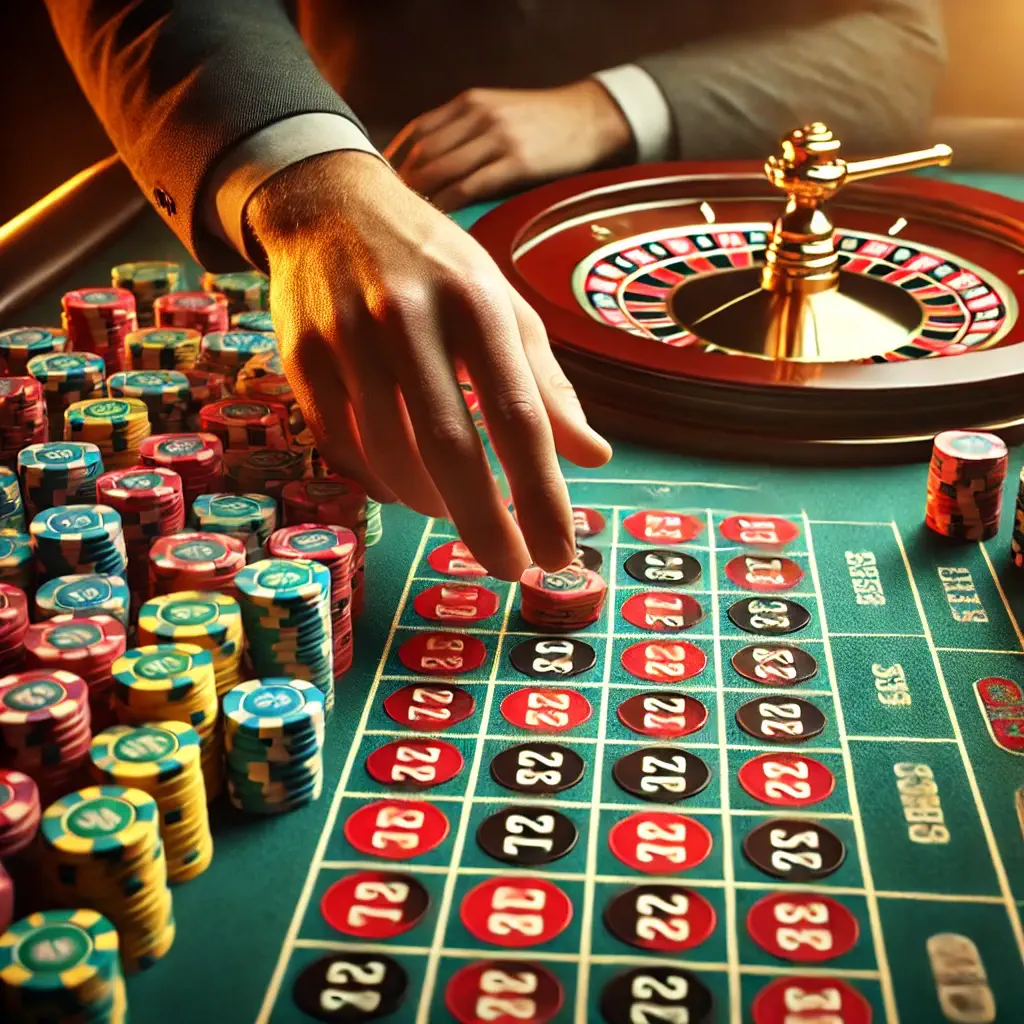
<point>645,108</point>
<point>258,158</point>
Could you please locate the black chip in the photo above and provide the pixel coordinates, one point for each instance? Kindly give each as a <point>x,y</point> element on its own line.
<point>656,992</point>
<point>527,836</point>
<point>350,986</point>
<point>780,719</point>
<point>538,767</point>
<point>663,775</point>
<point>769,616</point>
<point>588,557</point>
<point>547,657</point>
<point>631,916</point>
<point>663,567</point>
<point>795,849</point>
<point>775,664</point>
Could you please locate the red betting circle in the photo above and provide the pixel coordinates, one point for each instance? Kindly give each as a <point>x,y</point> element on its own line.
<point>373,905</point>
<point>587,522</point>
<point>442,654</point>
<point>453,558</point>
<point>658,526</point>
<point>805,1000</point>
<point>804,927</point>
<point>663,715</point>
<point>515,911</point>
<point>763,575</point>
<point>659,842</point>
<point>662,611</point>
<point>664,662</point>
<point>786,780</point>
<point>415,764</point>
<point>397,829</point>
<point>758,530</point>
<point>504,992</point>
<point>545,709</point>
<point>456,602</point>
<point>429,708</point>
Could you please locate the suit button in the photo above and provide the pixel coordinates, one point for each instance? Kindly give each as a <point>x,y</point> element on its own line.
<point>165,201</point>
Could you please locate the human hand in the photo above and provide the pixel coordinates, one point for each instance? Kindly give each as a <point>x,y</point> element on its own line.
<point>488,142</point>
<point>375,295</point>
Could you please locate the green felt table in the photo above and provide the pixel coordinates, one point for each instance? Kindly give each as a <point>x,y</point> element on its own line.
<point>950,617</point>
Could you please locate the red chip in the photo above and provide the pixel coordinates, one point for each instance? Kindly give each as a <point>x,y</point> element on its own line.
<point>803,1000</point>
<point>396,829</point>
<point>764,575</point>
<point>414,764</point>
<point>786,780</point>
<point>661,611</point>
<point>665,715</point>
<point>456,602</point>
<point>663,662</point>
<point>429,708</point>
<point>515,911</point>
<point>659,527</point>
<point>375,905</point>
<point>442,654</point>
<point>804,927</point>
<point>587,522</point>
<point>453,558</point>
<point>659,842</point>
<point>504,992</point>
<point>541,709</point>
<point>752,529</point>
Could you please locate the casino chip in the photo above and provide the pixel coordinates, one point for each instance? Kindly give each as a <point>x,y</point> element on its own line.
<point>17,561</point>
<point>165,393</point>
<point>351,986</point>
<point>1017,535</point>
<point>657,992</point>
<point>77,539</point>
<point>796,849</point>
<point>58,473</point>
<point>117,426</point>
<point>527,836</point>
<point>442,654</point>
<point>245,290</point>
<point>14,625</point>
<point>453,558</point>
<point>81,594</point>
<point>667,568</point>
<point>191,560</point>
<point>662,662</point>
<point>661,917</point>
<point>147,280</point>
<point>397,829</point>
<point>12,511</point>
<point>588,558</point>
<point>20,344</point>
<point>504,991</point>
<point>252,518</point>
<point>542,709</point>
<point>414,764</point>
<point>656,527</point>
<point>227,352</point>
<point>666,716</point>
<point>784,779</point>
<point>197,311</point>
<point>66,378</point>
<point>268,470</point>
<point>803,927</point>
<point>552,657</point>
<point>429,707</point>
<point>662,611</point>
<point>663,775</point>
<point>759,531</point>
<point>20,812</point>
<point>567,600</point>
<point>197,458</point>
<point>538,767</point>
<point>763,574</point>
<point>965,485</point>
<point>802,999</point>
<point>456,602</point>
<point>163,348</point>
<point>23,416</point>
<point>99,320</point>
<point>244,425</point>
<point>375,905</point>
<point>775,664</point>
<point>515,911</point>
<point>263,377</point>
<point>774,617</point>
<point>588,522</point>
<point>253,320</point>
<point>659,842</point>
<point>780,719</point>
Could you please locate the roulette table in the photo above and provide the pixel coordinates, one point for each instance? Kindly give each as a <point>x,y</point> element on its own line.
<point>779,778</point>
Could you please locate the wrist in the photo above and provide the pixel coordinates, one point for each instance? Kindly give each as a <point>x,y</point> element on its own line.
<point>611,132</point>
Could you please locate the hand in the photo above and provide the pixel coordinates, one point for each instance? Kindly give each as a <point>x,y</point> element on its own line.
<point>488,142</point>
<point>375,296</point>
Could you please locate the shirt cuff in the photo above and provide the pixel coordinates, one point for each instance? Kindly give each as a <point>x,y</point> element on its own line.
<point>645,108</point>
<point>256,159</point>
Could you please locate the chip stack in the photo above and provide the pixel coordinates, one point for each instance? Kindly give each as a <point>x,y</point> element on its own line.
<point>87,645</point>
<point>244,425</point>
<point>163,760</point>
<point>268,470</point>
<point>253,320</point>
<point>117,426</point>
<point>197,311</point>
<point>20,344</point>
<point>101,846</point>
<point>12,510</point>
<point>58,473</point>
<point>17,560</point>
<point>162,348</point>
<point>569,599</point>
<point>286,608</point>
<point>252,518</point>
<point>245,291</point>
<point>84,594</point>
<point>99,320</point>
<point>197,458</point>
<point>62,965</point>
<point>333,547</point>
<point>208,619</point>
<point>262,377</point>
<point>147,280</point>
<point>78,539</point>
<point>227,352</point>
<point>204,387</point>
<point>965,485</point>
<point>20,812</point>
<point>274,735</point>
<point>192,560</point>
<point>1017,536</point>
<point>13,626</point>
<point>173,683</point>
<point>67,378</point>
<point>166,394</point>
<point>23,417</point>
<point>45,727</point>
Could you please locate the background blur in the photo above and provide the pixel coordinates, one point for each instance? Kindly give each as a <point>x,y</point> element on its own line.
<point>48,132</point>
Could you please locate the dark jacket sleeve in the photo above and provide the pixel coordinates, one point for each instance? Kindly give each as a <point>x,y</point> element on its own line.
<point>177,82</point>
<point>867,68</point>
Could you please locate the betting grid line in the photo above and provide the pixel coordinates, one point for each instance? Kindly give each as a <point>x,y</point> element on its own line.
<point>1002,596</point>
<point>281,967</point>
<point>870,895</point>
<point>972,779</point>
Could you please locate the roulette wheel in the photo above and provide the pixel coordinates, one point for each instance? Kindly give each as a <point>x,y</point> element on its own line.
<point>810,309</point>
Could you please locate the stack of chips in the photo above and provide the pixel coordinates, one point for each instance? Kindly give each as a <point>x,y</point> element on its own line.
<point>101,846</point>
<point>117,426</point>
<point>20,812</point>
<point>253,320</point>
<point>20,344</point>
<point>195,561</point>
<point>162,348</point>
<point>244,425</point>
<point>267,470</point>
<point>79,539</point>
<point>262,377</point>
<point>274,734</point>
<point>208,619</point>
<point>67,378</point>
<point>87,645</point>
<point>569,599</point>
<point>84,594</point>
<point>23,417</point>
<point>335,548</point>
<point>1017,537</point>
<point>62,965</point>
<point>13,626</point>
<point>12,510</point>
<point>147,281</point>
<point>965,485</point>
<point>286,609</point>
<point>165,393</point>
<point>204,387</point>
<point>227,352</point>
<point>245,290</point>
<point>163,760</point>
<point>99,320</point>
<point>173,683</point>
<point>197,311</point>
<point>17,560</point>
<point>197,458</point>
<point>45,727</point>
<point>252,518</point>
<point>58,473</point>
